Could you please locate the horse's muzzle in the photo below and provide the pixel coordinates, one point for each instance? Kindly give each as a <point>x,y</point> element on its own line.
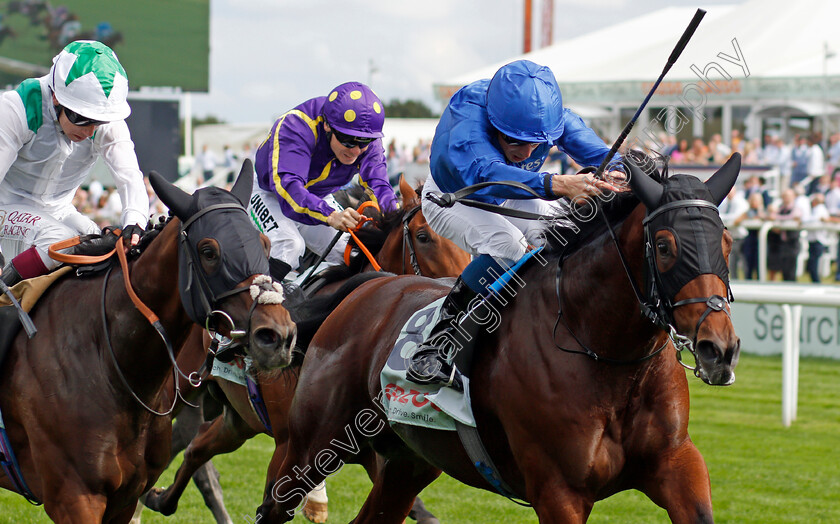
<point>716,360</point>
<point>271,347</point>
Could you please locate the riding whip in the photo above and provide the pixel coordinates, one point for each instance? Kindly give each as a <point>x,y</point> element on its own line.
<point>321,258</point>
<point>678,49</point>
<point>27,323</point>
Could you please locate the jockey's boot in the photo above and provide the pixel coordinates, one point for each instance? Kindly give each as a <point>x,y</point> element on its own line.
<point>278,269</point>
<point>428,365</point>
<point>10,275</point>
<point>27,264</point>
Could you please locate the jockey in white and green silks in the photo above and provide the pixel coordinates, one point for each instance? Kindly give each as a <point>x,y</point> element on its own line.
<point>52,130</point>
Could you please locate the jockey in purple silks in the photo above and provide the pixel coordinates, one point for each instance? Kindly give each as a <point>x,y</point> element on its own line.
<point>311,152</point>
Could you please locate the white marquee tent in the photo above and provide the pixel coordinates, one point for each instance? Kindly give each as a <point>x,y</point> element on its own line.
<point>762,59</point>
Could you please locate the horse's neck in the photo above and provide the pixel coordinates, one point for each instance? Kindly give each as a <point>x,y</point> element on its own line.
<point>596,291</point>
<point>140,350</point>
<point>390,256</point>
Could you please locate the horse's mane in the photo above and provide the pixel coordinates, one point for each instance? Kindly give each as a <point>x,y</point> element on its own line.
<point>570,231</point>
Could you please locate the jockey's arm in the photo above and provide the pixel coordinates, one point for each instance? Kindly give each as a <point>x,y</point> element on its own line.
<point>13,130</point>
<point>373,175</point>
<point>114,144</point>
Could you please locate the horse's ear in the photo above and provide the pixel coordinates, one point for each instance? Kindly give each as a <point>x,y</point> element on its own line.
<point>409,195</point>
<point>647,189</point>
<point>724,178</point>
<point>244,183</point>
<point>171,195</point>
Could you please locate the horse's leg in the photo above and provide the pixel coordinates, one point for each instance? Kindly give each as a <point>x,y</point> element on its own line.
<point>315,508</point>
<point>137,517</point>
<point>206,479</point>
<point>395,489</point>
<point>372,464</point>
<point>222,435</point>
<point>680,484</point>
<point>421,514</point>
<point>75,507</point>
<point>125,516</point>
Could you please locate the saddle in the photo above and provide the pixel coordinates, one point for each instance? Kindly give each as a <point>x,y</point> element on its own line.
<point>27,292</point>
<point>88,254</point>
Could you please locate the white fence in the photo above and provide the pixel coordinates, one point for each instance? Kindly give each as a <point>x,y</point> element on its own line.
<point>791,298</point>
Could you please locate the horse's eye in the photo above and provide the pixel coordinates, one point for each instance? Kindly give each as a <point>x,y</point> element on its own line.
<point>424,237</point>
<point>662,248</point>
<point>208,253</point>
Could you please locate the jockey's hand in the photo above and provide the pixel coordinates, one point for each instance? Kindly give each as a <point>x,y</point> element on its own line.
<point>344,220</point>
<point>131,235</point>
<point>582,186</point>
<point>618,180</point>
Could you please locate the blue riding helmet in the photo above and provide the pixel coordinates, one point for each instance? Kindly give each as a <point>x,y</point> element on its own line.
<point>353,109</point>
<point>524,102</point>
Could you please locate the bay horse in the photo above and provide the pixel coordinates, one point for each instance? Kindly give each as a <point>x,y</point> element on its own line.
<point>402,243</point>
<point>84,402</point>
<point>576,394</point>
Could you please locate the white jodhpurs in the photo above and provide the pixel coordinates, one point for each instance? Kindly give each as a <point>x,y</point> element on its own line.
<point>289,238</point>
<point>480,232</point>
<point>24,226</point>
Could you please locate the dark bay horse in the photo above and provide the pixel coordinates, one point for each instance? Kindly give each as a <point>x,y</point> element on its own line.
<point>570,407</point>
<point>403,243</point>
<point>84,401</point>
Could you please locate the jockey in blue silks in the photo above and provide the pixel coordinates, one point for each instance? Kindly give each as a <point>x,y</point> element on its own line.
<point>499,130</point>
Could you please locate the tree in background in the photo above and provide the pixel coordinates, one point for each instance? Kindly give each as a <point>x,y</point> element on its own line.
<point>408,109</point>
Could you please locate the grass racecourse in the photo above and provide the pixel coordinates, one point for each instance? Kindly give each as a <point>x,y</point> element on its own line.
<point>761,471</point>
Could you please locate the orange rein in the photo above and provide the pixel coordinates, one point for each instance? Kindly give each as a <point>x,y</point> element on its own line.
<point>349,248</point>
<point>88,259</point>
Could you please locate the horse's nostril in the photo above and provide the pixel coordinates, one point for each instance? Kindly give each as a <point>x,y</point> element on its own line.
<point>267,338</point>
<point>709,351</point>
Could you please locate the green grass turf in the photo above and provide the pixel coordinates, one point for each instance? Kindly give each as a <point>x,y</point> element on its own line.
<point>761,471</point>
<point>166,42</point>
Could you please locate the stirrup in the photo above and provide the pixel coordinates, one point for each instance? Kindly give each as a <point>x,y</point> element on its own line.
<point>455,381</point>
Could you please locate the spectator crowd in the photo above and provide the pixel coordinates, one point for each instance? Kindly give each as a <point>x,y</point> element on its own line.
<point>805,196</point>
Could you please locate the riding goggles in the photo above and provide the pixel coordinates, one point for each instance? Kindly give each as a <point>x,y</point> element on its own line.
<point>350,142</point>
<point>516,142</point>
<point>78,120</point>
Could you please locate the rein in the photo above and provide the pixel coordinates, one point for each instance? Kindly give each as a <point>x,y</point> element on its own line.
<point>653,308</point>
<point>408,243</point>
<point>151,318</point>
<point>348,249</point>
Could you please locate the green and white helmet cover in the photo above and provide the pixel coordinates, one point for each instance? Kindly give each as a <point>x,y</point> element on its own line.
<point>88,79</point>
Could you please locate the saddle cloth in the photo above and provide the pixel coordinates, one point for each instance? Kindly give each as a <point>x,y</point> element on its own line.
<point>27,293</point>
<point>405,402</point>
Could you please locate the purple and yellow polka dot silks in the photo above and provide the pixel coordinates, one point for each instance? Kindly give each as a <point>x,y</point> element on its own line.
<point>353,109</point>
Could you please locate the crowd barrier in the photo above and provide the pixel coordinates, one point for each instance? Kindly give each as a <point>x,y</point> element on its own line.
<point>791,297</point>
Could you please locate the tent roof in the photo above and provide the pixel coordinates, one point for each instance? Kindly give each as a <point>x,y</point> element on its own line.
<point>777,38</point>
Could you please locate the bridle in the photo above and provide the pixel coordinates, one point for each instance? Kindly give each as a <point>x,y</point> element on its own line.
<point>657,307</point>
<point>210,299</point>
<point>408,242</point>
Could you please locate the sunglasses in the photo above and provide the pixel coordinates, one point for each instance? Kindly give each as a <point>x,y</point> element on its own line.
<point>78,120</point>
<point>516,142</point>
<point>352,141</point>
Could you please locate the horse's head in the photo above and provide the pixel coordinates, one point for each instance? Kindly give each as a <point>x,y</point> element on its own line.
<point>687,248</point>
<point>223,268</point>
<point>429,253</point>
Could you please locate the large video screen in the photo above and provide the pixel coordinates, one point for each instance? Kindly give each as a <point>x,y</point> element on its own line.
<point>159,42</point>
